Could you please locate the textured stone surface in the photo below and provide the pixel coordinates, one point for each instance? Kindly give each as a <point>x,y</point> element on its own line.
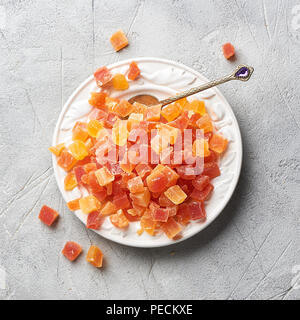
<point>251,251</point>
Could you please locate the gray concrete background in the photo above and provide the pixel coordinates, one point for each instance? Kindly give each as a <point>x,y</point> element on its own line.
<point>47,48</point>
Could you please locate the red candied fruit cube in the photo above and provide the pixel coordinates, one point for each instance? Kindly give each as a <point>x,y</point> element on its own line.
<point>160,214</point>
<point>121,201</point>
<point>79,172</point>
<point>66,160</point>
<point>202,195</point>
<point>71,250</point>
<point>211,169</point>
<point>102,76</point>
<point>157,181</point>
<point>133,71</point>
<point>48,215</point>
<point>94,220</point>
<point>201,182</point>
<point>228,50</point>
<point>143,170</point>
<point>196,210</point>
<point>171,228</point>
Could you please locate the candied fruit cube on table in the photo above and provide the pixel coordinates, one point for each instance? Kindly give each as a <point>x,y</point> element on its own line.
<point>201,148</point>
<point>211,169</point>
<point>93,127</point>
<point>171,111</point>
<point>228,50</point>
<point>94,220</point>
<point>78,150</point>
<point>171,228</point>
<point>56,150</point>
<point>89,204</point>
<point>102,76</point>
<point>93,182</point>
<point>200,182</point>
<point>70,181</point>
<point>48,215</point>
<point>98,99</point>
<point>175,194</point>
<point>95,256</point>
<point>71,250</point>
<point>205,123</point>
<point>79,131</point>
<point>121,201</point>
<point>135,185</point>
<point>119,40</point>
<point>217,143</point>
<point>104,176</point>
<point>133,71</point>
<point>183,215</point>
<point>119,219</point>
<point>108,209</point>
<point>141,199</point>
<point>119,82</point>
<point>73,205</point>
<point>139,108</point>
<point>66,160</point>
<point>153,113</point>
<point>202,195</point>
<point>198,106</point>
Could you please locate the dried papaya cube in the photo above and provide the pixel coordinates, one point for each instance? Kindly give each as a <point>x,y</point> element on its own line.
<point>79,132</point>
<point>186,172</point>
<point>172,210</point>
<point>181,122</point>
<point>89,204</point>
<point>126,165</point>
<point>119,219</point>
<point>102,76</point>
<point>108,209</point>
<point>183,215</point>
<point>171,111</point>
<point>79,172</point>
<point>198,107</point>
<point>133,71</point>
<point>171,228</point>
<point>166,155</point>
<point>175,194</point>
<point>93,182</point>
<point>121,201</point>
<point>143,170</point>
<point>111,103</point>
<point>48,215</point>
<point>119,82</point>
<point>171,175</point>
<point>97,100</point>
<point>201,182</point>
<point>183,103</point>
<point>202,195</point>
<point>170,132</point>
<point>159,143</point>
<point>104,177</point>
<point>120,133</point>
<point>135,185</point>
<point>78,150</point>
<point>201,148</point>
<point>193,119</point>
<point>56,150</point>
<point>70,181</point>
<point>71,250</point>
<point>109,189</point>
<point>123,108</point>
<point>153,113</point>
<point>93,128</point>
<point>141,199</point>
<point>73,205</point>
<point>157,181</point>
<point>95,256</point>
<point>205,123</point>
<point>217,143</point>
<point>134,120</point>
<point>228,50</point>
<point>164,201</point>
<point>90,167</point>
<point>66,160</point>
<point>119,40</point>
<point>148,225</point>
<point>139,108</point>
<point>196,210</point>
<point>94,220</point>
<point>211,169</point>
<point>160,214</point>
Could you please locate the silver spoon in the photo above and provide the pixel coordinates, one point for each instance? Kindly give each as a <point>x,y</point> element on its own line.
<point>242,72</point>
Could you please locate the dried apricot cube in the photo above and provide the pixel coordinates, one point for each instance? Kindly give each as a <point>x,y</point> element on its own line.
<point>111,103</point>
<point>66,160</point>
<point>48,215</point>
<point>79,132</point>
<point>217,143</point>
<point>119,82</point>
<point>175,194</point>
<point>181,122</point>
<point>104,177</point>
<point>71,250</point>
<point>93,128</point>
<point>141,199</point>
<point>56,150</point>
<point>94,220</point>
<point>198,107</point>
<point>153,113</point>
<point>171,228</point>
<point>73,205</point>
<point>70,181</point>
<point>89,204</point>
<point>119,40</point>
<point>171,111</point>
<point>98,99</point>
<point>108,209</point>
<point>78,150</point>
<point>95,256</point>
<point>123,108</point>
<point>201,148</point>
<point>90,167</point>
<point>135,185</point>
<point>228,50</point>
<point>133,71</point>
<point>119,219</point>
<point>102,76</point>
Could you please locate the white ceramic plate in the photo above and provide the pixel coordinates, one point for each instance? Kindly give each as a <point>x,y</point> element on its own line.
<point>161,78</point>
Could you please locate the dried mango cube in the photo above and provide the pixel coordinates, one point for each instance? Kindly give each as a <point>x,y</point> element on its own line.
<point>104,177</point>
<point>205,123</point>
<point>93,128</point>
<point>70,181</point>
<point>175,194</point>
<point>141,199</point>
<point>171,228</point>
<point>66,160</point>
<point>71,250</point>
<point>102,76</point>
<point>95,256</point>
<point>119,82</point>
<point>201,148</point>
<point>56,150</point>
<point>73,205</point>
<point>123,108</point>
<point>153,113</point>
<point>198,107</point>
<point>218,143</point>
<point>48,215</point>
<point>135,185</point>
<point>108,209</point>
<point>78,150</point>
<point>79,132</point>
<point>171,111</point>
<point>139,108</point>
<point>119,40</point>
<point>98,99</point>
<point>89,204</point>
<point>119,219</point>
<point>133,71</point>
<point>134,119</point>
<point>120,133</point>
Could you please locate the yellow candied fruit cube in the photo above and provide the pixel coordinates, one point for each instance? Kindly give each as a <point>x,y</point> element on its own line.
<point>89,204</point>
<point>70,181</point>
<point>78,150</point>
<point>134,119</point>
<point>171,111</point>
<point>104,177</point>
<point>119,82</point>
<point>93,127</point>
<point>56,150</point>
<point>201,148</point>
<point>175,194</point>
<point>198,107</point>
<point>108,209</point>
<point>120,133</point>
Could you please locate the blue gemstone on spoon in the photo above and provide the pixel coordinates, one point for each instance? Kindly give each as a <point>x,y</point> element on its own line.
<point>242,73</point>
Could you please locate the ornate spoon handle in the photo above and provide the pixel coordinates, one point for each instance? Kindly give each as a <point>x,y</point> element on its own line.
<point>242,73</point>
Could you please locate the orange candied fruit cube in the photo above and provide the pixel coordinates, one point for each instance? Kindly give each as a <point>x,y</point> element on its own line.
<point>73,205</point>
<point>139,108</point>
<point>119,82</point>
<point>108,209</point>
<point>56,150</point>
<point>170,132</point>
<point>93,128</point>
<point>201,148</point>
<point>153,113</point>
<point>120,133</point>
<point>175,194</point>
<point>171,111</point>
<point>102,76</point>
<point>171,228</point>
<point>71,250</point>
<point>66,160</point>
<point>95,256</point>
<point>205,123</point>
<point>97,100</point>
<point>119,40</point>
<point>141,199</point>
<point>157,181</point>
<point>78,150</point>
<point>90,167</point>
<point>148,225</point>
<point>133,71</point>
<point>70,181</point>
<point>123,108</point>
<point>135,185</point>
<point>119,219</point>
<point>218,143</point>
<point>228,50</point>
<point>198,106</point>
<point>89,204</point>
<point>104,177</point>
<point>48,215</point>
<point>79,132</point>
<point>159,143</point>
<point>134,119</point>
